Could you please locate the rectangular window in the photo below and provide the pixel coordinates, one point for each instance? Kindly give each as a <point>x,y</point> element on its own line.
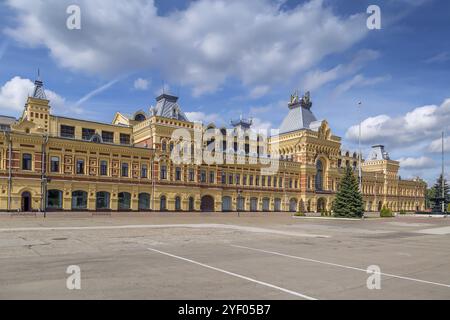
<point>124,138</point>
<point>230,179</point>
<point>144,171</point>
<point>26,161</point>
<point>250,182</point>
<point>211,176</point>
<point>163,172</point>
<point>280,182</point>
<point>54,164</point>
<point>290,183</point>
<point>203,176</point>
<point>108,137</point>
<point>86,134</point>
<point>263,181</point>
<point>224,178</point>
<point>177,173</point>
<point>124,169</point>
<point>238,178</point>
<point>257,181</point>
<point>191,175</point>
<point>80,166</point>
<point>269,181</point>
<point>244,180</point>
<point>67,131</point>
<point>103,168</point>
<point>296,183</point>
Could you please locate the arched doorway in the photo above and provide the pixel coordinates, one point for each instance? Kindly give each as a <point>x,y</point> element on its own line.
<point>380,205</point>
<point>321,204</point>
<point>177,203</point>
<point>102,201</point>
<point>26,201</point>
<point>163,203</point>
<point>293,205</point>
<point>277,204</point>
<point>207,204</point>
<point>266,204</point>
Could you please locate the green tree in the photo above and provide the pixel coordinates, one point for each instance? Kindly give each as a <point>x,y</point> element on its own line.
<point>436,194</point>
<point>348,202</point>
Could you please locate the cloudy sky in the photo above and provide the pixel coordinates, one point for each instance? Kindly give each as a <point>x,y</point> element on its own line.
<point>225,58</point>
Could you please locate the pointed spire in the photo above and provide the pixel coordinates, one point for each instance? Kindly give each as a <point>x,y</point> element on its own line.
<point>39,92</point>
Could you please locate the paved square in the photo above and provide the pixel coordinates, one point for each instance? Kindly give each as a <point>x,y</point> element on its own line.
<point>223,256</point>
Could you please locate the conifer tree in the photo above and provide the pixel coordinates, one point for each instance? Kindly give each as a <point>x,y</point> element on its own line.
<point>348,202</point>
<point>436,194</point>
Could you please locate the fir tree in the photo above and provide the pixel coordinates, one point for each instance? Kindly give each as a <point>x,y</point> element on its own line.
<point>436,194</point>
<point>348,202</point>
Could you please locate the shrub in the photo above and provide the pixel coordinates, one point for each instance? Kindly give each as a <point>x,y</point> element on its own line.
<point>299,214</point>
<point>402,212</point>
<point>386,212</point>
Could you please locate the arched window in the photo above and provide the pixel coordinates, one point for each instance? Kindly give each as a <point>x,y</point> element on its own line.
<point>319,175</point>
<point>177,203</point>
<point>191,203</point>
<point>79,200</point>
<point>139,117</point>
<point>144,201</point>
<point>124,200</point>
<point>163,203</point>
<point>102,201</point>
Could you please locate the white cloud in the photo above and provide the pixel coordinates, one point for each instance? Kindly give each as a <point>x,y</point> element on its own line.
<point>141,84</point>
<point>317,78</point>
<point>14,94</point>
<point>197,116</point>
<point>416,163</point>
<point>436,145</point>
<point>96,91</point>
<point>259,91</point>
<point>359,81</point>
<point>421,125</point>
<point>201,46</point>
<point>439,58</point>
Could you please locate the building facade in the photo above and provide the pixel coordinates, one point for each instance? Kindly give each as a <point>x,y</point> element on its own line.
<point>50,162</point>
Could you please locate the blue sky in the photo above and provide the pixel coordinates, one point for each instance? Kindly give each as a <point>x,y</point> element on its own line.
<point>227,58</point>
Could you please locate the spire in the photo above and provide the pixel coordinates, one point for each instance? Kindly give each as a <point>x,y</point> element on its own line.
<point>39,92</point>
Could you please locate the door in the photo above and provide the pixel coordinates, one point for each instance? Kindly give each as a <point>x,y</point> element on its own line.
<point>26,201</point>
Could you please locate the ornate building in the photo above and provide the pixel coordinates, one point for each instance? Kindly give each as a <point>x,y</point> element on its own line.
<point>59,163</point>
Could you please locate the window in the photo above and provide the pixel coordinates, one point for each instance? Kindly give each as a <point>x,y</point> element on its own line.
<point>257,181</point>
<point>263,181</point>
<point>54,164</point>
<point>319,175</point>
<point>80,166</point>
<point>86,134</point>
<point>144,171</point>
<point>124,169</point>
<point>224,178</point>
<point>250,182</point>
<point>191,175</point>
<point>203,176</point>
<point>290,183</point>
<point>67,131</point>
<point>163,172</point>
<point>124,138</point>
<point>103,168</point>
<point>177,173</point>
<point>269,181</point>
<point>211,176</point>
<point>107,136</point>
<point>244,180</point>
<point>26,161</point>
<point>280,182</point>
<point>177,203</point>
<point>171,146</point>
<point>164,146</point>
<point>230,179</point>
<point>238,178</point>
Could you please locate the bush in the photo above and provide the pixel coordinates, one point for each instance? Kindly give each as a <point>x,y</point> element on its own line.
<point>402,212</point>
<point>299,214</point>
<point>386,212</point>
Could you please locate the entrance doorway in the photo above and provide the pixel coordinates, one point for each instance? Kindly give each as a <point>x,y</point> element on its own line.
<point>26,201</point>
<point>207,204</point>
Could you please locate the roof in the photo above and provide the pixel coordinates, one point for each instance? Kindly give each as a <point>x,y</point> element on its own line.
<point>39,92</point>
<point>298,118</point>
<point>167,107</point>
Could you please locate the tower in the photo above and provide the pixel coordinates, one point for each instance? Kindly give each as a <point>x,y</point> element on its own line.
<point>37,108</point>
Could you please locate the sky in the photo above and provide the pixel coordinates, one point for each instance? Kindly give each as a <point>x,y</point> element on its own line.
<point>227,58</point>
